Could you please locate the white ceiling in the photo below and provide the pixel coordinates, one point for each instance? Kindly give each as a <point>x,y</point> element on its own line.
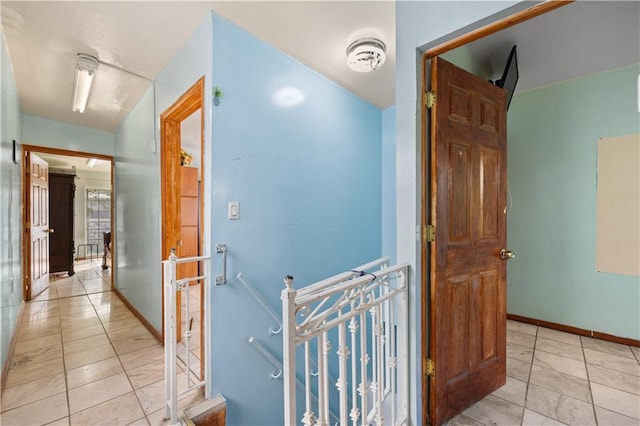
<point>573,41</point>
<point>44,37</point>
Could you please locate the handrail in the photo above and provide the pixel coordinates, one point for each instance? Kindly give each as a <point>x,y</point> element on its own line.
<point>265,305</point>
<point>338,278</point>
<point>268,356</point>
<point>186,259</point>
<point>329,290</point>
<point>272,313</point>
<point>277,364</point>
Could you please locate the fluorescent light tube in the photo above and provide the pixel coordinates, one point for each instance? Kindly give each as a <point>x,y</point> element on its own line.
<point>82,89</point>
<point>85,68</point>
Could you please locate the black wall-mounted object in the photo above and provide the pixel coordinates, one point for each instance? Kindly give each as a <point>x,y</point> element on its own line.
<point>509,77</point>
<point>15,153</point>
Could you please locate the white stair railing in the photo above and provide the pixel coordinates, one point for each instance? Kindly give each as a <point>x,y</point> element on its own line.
<point>171,287</point>
<point>277,374</point>
<point>368,313</point>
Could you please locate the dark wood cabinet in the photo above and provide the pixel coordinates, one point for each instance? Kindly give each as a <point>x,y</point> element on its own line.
<point>62,190</point>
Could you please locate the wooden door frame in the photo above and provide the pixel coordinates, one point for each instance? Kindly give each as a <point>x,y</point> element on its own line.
<point>188,103</point>
<point>450,42</point>
<point>26,206</point>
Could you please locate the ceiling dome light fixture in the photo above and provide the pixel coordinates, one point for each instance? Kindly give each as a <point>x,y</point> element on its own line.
<point>366,54</point>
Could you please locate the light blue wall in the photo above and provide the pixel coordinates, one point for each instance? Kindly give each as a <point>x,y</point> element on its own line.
<point>137,177</point>
<point>389,183</point>
<point>56,134</point>
<point>10,201</point>
<point>420,24</point>
<point>553,136</point>
<point>137,213</point>
<point>308,180</point>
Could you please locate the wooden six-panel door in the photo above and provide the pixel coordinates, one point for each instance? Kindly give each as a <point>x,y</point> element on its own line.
<point>37,183</point>
<point>468,208</point>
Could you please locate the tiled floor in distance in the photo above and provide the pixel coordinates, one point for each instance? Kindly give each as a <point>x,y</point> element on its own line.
<point>556,378</point>
<point>193,318</point>
<point>83,358</point>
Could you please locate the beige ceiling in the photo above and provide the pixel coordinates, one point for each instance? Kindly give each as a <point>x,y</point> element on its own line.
<point>43,39</point>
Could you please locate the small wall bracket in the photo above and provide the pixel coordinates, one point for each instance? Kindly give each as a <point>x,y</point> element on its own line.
<point>222,278</point>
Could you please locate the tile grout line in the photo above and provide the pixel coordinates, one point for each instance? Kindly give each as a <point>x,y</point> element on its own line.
<point>593,403</point>
<point>64,363</point>
<point>526,392</point>
<point>133,390</point>
<point>64,368</point>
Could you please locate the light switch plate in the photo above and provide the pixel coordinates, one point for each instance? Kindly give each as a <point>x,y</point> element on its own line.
<point>234,210</point>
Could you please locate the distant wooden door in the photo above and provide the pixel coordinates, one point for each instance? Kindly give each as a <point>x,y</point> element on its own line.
<point>62,190</point>
<point>37,182</point>
<point>468,209</point>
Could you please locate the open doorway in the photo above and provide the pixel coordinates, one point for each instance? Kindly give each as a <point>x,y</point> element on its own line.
<point>463,177</point>
<point>182,169</point>
<point>68,220</point>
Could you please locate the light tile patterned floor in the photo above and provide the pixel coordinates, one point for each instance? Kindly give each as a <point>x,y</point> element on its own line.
<point>556,378</point>
<point>82,357</point>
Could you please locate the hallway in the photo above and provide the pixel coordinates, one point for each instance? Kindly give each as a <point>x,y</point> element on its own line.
<point>82,357</point>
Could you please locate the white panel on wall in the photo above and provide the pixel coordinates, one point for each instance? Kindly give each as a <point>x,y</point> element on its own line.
<point>618,205</point>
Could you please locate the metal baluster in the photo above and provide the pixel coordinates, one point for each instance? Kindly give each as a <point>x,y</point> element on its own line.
<point>288,297</point>
<point>321,373</point>
<point>309,417</point>
<point>187,333</point>
<point>355,412</point>
<point>373,387</point>
<point>326,348</point>
<point>364,360</point>
<point>379,364</point>
<point>388,328</point>
<point>343,354</point>
<point>171,382</point>
<point>392,361</point>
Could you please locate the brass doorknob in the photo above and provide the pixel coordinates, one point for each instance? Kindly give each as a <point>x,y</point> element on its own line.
<point>50,231</point>
<point>506,254</point>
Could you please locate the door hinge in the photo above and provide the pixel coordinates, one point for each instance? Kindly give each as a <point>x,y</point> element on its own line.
<point>428,367</point>
<point>429,233</point>
<point>429,99</point>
